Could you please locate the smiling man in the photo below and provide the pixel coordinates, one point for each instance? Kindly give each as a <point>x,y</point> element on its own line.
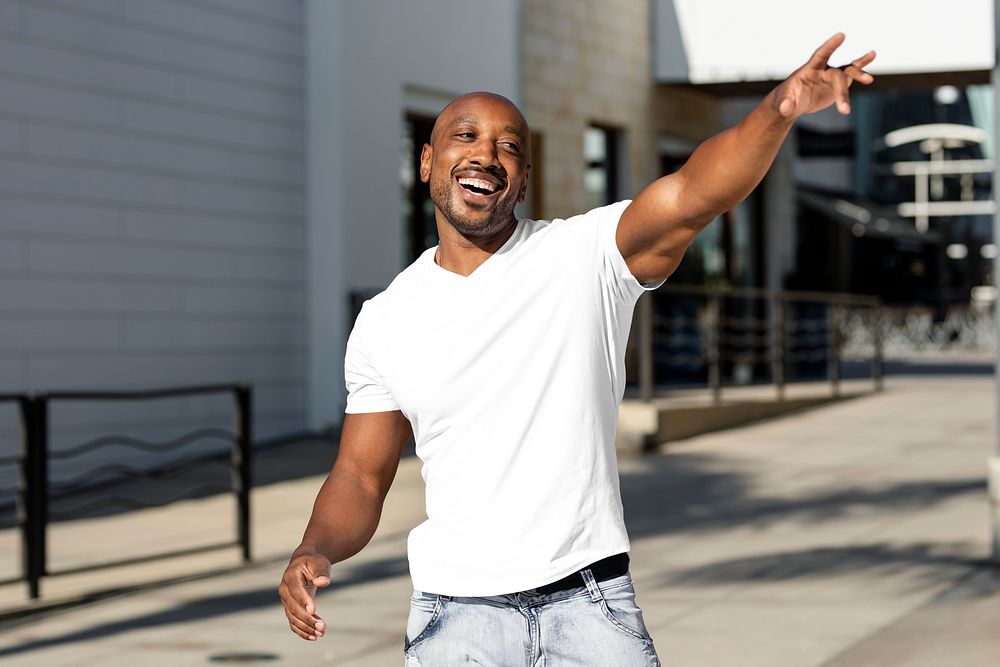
<point>502,351</point>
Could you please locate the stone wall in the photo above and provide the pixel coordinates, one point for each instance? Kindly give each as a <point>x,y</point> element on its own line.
<point>588,62</point>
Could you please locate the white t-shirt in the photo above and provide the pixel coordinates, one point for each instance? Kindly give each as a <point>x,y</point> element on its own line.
<point>511,378</point>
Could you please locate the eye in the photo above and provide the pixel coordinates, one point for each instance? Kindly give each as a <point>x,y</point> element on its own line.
<point>511,146</point>
<point>466,135</point>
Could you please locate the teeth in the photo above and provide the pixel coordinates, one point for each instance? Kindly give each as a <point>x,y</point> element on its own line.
<point>478,183</point>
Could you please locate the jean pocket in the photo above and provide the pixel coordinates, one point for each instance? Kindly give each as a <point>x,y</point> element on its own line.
<point>425,609</point>
<point>619,606</point>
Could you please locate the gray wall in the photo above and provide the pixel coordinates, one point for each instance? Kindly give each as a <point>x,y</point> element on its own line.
<point>161,219</point>
<point>370,63</point>
<point>152,206</point>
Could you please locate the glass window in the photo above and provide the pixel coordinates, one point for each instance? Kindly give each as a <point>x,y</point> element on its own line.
<point>600,176</point>
<point>419,228</point>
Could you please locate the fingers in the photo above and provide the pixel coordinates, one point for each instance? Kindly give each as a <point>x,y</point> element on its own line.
<point>840,84</point>
<point>306,630</point>
<point>297,591</point>
<point>302,618</point>
<point>822,55</point>
<point>855,71</point>
<point>864,60</point>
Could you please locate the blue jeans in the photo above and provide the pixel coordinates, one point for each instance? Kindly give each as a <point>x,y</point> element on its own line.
<point>596,625</point>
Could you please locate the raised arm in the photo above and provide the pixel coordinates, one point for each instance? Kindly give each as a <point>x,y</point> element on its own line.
<point>345,514</point>
<point>663,220</point>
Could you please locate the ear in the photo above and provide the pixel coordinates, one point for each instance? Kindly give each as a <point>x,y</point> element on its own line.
<point>524,185</point>
<point>426,154</point>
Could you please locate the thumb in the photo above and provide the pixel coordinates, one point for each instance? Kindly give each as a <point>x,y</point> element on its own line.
<point>786,107</point>
<point>320,572</point>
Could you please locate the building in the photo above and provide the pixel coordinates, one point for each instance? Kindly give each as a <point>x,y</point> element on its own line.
<point>200,191</point>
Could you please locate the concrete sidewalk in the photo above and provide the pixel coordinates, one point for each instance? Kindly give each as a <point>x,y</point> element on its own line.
<point>844,536</point>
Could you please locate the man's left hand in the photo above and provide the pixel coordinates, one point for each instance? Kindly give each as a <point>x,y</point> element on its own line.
<point>816,85</point>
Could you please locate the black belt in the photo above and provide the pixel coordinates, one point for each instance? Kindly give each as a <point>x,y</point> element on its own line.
<point>604,569</point>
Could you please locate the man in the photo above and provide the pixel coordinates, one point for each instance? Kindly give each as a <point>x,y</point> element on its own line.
<point>503,350</point>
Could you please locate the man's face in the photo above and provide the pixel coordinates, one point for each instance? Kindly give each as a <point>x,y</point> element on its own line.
<point>477,163</point>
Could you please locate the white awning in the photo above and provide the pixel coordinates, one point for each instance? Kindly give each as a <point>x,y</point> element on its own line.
<point>728,41</point>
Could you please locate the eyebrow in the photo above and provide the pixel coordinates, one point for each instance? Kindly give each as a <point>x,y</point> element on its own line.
<point>469,120</point>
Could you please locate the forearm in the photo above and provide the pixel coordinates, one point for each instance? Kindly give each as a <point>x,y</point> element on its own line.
<point>344,517</point>
<point>723,170</point>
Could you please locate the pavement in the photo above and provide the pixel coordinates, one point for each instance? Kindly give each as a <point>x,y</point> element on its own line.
<point>851,535</point>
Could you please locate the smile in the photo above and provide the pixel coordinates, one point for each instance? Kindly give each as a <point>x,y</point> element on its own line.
<point>478,186</point>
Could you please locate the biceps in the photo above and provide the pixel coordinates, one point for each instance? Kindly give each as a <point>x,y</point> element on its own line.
<point>656,229</point>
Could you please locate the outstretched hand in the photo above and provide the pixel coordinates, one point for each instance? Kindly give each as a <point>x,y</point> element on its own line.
<point>816,85</point>
<point>304,575</point>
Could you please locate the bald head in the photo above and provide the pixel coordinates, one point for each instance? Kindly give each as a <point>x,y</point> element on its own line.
<point>470,109</point>
<point>477,164</point>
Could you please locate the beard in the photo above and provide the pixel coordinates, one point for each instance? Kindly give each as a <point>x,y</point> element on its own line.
<point>499,216</point>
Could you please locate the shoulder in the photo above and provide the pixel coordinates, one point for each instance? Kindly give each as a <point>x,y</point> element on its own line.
<point>609,214</point>
<point>594,229</point>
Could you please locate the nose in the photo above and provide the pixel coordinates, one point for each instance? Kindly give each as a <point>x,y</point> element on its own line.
<point>484,154</point>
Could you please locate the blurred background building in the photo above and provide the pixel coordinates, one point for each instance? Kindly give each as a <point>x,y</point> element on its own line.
<point>200,191</point>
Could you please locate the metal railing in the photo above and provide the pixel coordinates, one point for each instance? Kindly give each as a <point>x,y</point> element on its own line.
<point>35,490</point>
<point>709,333</point>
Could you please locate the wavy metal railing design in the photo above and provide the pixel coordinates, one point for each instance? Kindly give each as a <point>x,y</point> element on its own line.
<point>36,493</point>
<point>143,445</point>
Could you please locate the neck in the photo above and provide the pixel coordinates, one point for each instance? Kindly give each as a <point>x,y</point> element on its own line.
<point>463,254</point>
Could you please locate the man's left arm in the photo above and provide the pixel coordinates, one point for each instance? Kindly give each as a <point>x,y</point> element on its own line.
<point>663,220</point>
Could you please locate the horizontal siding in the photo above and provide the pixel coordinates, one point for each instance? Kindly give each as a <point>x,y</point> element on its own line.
<point>61,28</point>
<point>107,185</point>
<point>152,210</point>
<point>56,296</point>
<point>120,368</point>
<point>136,80</point>
<point>12,254</point>
<point>166,263</point>
<point>10,135</point>
<point>12,376</point>
<point>33,333</point>
<point>196,20</point>
<point>114,148</point>
<point>285,13</point>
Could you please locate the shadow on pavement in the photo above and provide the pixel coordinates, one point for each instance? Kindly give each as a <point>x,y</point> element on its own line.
<point>672,493</point>
<point>212,607</point>
<point>678,492</point>
<point>825,562</point>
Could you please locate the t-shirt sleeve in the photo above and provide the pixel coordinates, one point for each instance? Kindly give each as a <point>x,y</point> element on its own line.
<point>366,391</point>
<point>616,270</point>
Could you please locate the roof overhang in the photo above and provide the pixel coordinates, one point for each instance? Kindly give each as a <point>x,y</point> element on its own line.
<point>734,47</point>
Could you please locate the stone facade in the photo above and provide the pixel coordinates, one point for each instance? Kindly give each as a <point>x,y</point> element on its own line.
<point>588,62</point>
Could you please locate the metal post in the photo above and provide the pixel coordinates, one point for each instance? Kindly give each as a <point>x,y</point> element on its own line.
<point>29,516</point>
<point>646,347</point>
<point>241,468</point>
<point>714,351</point>
<point>878,354</point>
<point>35,440</point>
<point>833,319</point>
<point>778,346</point>
<point>994,462</point>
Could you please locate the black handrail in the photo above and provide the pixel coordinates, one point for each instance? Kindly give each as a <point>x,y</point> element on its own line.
<point>34,488</point>
<point>775,336</point>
